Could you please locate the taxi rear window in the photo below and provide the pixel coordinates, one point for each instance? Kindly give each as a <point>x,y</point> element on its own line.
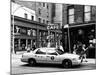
<point>39,51</point>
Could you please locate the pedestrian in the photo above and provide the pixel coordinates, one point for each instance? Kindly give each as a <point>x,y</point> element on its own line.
<point>61,47</point>
<point>34,47</point>
<point>85,51</point>
<point>28,48</point>
<point>79,49</point>
<point>74,49</point>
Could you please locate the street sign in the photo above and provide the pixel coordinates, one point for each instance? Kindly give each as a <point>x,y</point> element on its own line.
<point>53,26</point>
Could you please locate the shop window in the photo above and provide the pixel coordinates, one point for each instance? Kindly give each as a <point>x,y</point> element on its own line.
<point>16,29</point>
<point>87,13</point>
<point>71,15</point>
<point>29,32</point>
<point>23,30</point>
<point>34,32</point>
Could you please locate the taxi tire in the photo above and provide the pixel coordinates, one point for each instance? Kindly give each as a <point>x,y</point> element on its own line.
<point>68,65</point>
<point>32,62</point>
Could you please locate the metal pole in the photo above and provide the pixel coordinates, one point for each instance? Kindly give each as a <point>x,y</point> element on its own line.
<point>69,40</point>
<point>13,36</point>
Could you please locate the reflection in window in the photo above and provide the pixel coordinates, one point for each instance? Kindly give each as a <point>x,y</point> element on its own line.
<point>71,19</point>
<point>87,9</point>
<point>87,17</point>
<point>87,13</point>
<point>71,15</point>
<point>40,52</point>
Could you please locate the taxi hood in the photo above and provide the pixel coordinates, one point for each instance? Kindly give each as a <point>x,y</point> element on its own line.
<point>70,55</point>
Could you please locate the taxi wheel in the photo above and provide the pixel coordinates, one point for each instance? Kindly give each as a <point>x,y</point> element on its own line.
<point>32,62</point>
<point>67,64</point>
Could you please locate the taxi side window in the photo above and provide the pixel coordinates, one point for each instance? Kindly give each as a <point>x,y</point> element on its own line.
<point>40,52</point>
<point>54,53</point>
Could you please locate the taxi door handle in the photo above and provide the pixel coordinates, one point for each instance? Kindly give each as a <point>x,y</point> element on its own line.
<point>35,55</point>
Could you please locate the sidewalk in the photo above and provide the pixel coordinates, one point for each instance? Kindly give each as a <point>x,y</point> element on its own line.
<point>90,61</point>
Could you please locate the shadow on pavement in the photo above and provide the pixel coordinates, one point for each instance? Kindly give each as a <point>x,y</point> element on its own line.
<point>51,66</point>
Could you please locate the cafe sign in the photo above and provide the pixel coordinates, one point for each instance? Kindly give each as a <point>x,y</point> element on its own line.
<point>53,26</point>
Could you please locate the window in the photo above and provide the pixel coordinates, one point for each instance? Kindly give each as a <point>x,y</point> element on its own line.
<point>25,15</point>
<point>71,15</point>
<point>32,18</point>
<point>59,51</point>
<point>39,19</point>
<point>39,10</point>
<point>87,13</point>
<point>34,32</point>
<point>54,53</point>
<point>39,3</point>
<point>51,52</point>
<point>43,21</point>
<point>93,13</point>
<point>47,6</point>
<point>39,51</point>
<point>43,4</point>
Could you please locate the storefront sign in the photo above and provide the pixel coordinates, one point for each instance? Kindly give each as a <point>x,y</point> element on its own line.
<point>53,26</point>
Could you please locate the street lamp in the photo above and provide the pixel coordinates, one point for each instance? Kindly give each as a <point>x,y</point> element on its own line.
<point>67,26</point>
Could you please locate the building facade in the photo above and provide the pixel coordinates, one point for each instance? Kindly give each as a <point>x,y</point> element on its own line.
<point>81,24</point>
<point>43,10</point>
<point>26,30</point>
<point>22,11</point>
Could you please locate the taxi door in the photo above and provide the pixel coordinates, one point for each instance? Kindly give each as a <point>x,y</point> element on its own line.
<point>40,56</point>
<point>53,57</point>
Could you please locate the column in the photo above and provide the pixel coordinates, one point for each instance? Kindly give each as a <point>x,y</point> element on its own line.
<point>55,39</point>
<point>19,43</point>
<point>37,38</point>
<point>31,43</point>
<point>26,42</point>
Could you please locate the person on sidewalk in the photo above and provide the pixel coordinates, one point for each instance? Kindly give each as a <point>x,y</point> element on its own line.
<point>84,52</point>
<point>28,48</point>
<point>74,49</point>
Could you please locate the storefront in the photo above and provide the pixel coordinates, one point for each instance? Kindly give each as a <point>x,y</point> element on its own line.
<point>86,34</point>
<point>26,32</point>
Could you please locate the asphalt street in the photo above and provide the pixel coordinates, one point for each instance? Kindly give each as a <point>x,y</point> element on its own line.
<point>18,67</point>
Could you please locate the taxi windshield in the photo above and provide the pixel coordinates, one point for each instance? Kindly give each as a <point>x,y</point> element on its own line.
<point>59,51</point>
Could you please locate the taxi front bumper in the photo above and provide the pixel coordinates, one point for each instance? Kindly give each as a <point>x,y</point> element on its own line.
<point>77,62</point>
<point>24,60</point>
